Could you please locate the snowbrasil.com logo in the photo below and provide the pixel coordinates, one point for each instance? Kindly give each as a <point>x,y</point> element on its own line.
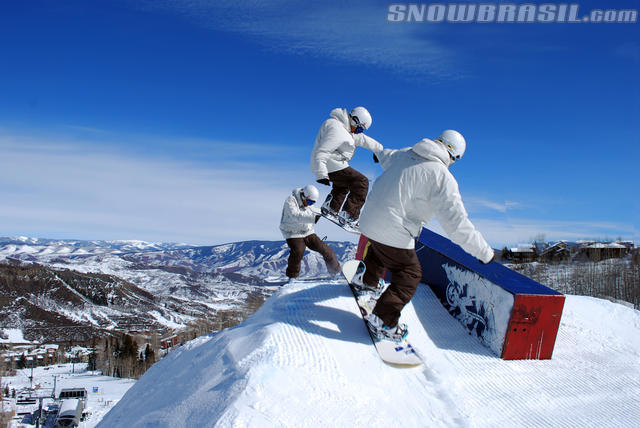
<point>506,13</point>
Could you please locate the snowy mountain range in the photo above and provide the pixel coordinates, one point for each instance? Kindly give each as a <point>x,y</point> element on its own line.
<point>41,246</point>
<point>133,284</point>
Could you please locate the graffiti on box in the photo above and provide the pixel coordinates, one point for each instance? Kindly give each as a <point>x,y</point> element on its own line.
<point>482,308</point>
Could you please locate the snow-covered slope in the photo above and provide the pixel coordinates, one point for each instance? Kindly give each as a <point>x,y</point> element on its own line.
<point>305,359</point>
<point>188,283</point>
<point>60,305</point>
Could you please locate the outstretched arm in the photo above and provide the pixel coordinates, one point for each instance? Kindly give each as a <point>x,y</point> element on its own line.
<point>386,156</point>
<point>455,221</point>
<point>368,143</point>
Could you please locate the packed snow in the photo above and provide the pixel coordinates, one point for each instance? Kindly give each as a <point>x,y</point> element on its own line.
<point>305,359</point>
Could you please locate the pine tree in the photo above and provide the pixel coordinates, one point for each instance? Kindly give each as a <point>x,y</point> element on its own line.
<point>22,362</point>
<point>149,355</point>
<point>91,363</point>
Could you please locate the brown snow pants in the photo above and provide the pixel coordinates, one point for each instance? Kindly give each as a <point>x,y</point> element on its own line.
<point>406,273</point>
<point>349,182</point>
<point>297,247</point>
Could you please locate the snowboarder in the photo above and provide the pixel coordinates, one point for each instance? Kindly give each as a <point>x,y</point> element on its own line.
<point>416,186</point>
<point>334,147</point>
<point>296,226</point>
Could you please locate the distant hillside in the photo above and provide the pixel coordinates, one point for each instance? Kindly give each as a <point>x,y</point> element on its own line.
<point>95,286</point>
<point>617,279</point>
<point>61,305</point>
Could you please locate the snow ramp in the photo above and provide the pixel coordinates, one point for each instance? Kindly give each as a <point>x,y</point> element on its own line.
<point>305,359</point>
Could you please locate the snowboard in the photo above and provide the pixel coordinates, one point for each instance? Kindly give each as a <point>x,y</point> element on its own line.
<point>334,219</point>
<point>394,353</point>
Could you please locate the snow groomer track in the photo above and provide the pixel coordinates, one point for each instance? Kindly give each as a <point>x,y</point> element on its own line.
<point>306,359</point>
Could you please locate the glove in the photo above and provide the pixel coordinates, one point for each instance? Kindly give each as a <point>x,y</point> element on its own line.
<point>324,181</point>
<point>492,259</point>
<point>375,159</point>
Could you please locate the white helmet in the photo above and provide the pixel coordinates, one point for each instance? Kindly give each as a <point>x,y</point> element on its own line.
<point>310,192</point>
<point>360,119</point>
<point>454,143</point>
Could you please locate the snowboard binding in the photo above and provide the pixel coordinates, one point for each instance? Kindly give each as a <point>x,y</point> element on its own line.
<point>392,344</point>
<point>363,289</point>
<point>326,210</point>
<point>345,220</point>
<point>383,332</point>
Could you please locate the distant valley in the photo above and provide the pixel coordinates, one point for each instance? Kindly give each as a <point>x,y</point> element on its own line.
<point>70,290</point>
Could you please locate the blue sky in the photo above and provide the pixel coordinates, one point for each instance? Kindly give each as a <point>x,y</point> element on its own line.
<point>192,121</point>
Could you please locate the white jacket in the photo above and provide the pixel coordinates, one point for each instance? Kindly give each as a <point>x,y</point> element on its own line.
<point>335,145</point>
<point>416,186</point>
<point>297,220</point>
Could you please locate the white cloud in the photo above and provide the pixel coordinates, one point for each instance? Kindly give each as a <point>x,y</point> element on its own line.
<point>60,188</point>
<point>355,31</point>
<point>511,231</point>
<point>475,203</point>
<point>68,189</point>
<point>518,230</point>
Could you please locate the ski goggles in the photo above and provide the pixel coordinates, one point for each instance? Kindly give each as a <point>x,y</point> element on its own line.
<point>360,127</point>
<point>449,148</point>
<point>310,201</point>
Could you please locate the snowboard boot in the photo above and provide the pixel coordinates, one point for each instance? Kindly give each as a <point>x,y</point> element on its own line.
<point>345,219</point>
<point>326,207</point>
<point>362,288</point>
<point>384,332</point>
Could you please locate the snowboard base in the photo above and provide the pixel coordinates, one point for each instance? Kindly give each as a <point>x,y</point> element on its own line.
<point>334,219</point>
<point>400,354</point>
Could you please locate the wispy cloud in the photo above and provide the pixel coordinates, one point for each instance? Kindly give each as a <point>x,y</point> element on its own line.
<point>199,150</point>
<point>87,129</point>
<point>513,231</point>
<point>355,31</point>
<point>70,189</point>
<point>55,187</point>
<point>475,203</point>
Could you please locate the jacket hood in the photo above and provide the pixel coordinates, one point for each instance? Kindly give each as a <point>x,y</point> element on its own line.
<point>341,116</point>
<point>432,150</point>
<point>296,194</point>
